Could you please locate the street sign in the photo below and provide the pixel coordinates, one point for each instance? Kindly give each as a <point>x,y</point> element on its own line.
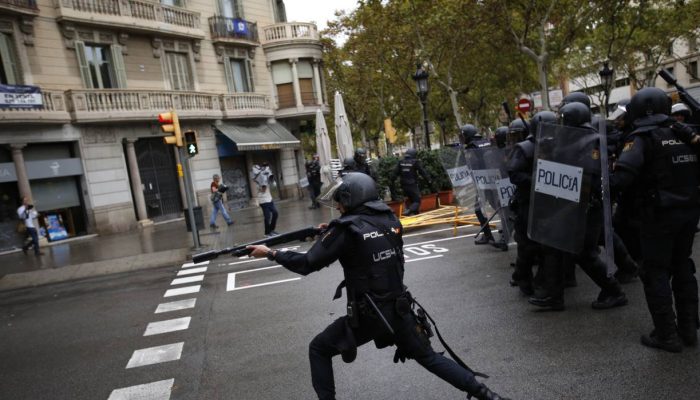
<point>524,105</point>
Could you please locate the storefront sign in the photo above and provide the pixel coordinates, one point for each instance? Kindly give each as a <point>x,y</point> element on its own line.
<point>20,96</point>
<point>54,168</point>
<point>7,172</point>
<point>55,227</point>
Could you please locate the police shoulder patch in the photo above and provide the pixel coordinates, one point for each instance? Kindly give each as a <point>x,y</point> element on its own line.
<point>628,146</point>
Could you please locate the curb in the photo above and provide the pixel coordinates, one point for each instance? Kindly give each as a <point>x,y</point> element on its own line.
<point>31,279</point>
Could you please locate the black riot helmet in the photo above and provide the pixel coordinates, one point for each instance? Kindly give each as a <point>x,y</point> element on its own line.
<point>649,106</point>
<point>469,133</point>
<point>349,164</point>
<point>357,188</point>
<point>411,153</point>
<point>517,130</point>
<point>575,114</point>
<point>576,97</point>
<point>548,117</point>
<point>360,154</point>
<point>501,135</point>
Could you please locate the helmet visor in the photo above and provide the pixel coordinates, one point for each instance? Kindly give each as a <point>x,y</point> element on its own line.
<point>327,196</point>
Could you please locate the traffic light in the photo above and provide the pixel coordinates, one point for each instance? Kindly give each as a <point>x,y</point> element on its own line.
<point>171,125</point>
<point>191,143</point>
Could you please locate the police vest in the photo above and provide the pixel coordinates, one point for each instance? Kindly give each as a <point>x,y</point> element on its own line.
<point>671,176</point>
<point>408,173</point>
<point>377,267</point>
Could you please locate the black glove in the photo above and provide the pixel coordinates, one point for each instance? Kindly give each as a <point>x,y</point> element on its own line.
<point>683,132</point>
<point>399,356</point>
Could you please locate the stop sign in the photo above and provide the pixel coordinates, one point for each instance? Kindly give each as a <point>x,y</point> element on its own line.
<point>524,105</point>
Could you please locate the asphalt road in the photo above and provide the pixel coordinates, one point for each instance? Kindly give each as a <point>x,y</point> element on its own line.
<point>246,333</point>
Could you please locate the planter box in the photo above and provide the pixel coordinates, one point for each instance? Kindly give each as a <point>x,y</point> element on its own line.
<point>446,197</point>
<point>428,202</point>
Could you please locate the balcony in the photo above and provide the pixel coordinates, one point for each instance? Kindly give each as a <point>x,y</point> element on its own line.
<point>110,105</point>
<point>23,7</point>
<point>290,33</point>
<point>139,16</point>
<point>241,105</point>
<point>54,110</point>
<point>233,30</point>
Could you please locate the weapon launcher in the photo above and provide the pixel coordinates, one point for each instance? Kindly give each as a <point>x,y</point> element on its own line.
<point>241,250</point>
<point>686,98</point>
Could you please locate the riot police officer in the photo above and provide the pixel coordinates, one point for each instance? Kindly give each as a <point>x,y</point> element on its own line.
<point>313,174</point>
<point>577,115</point>
<point>500,137</point>
<point>367,241</point>
<point>576,97</point>
<point>657,155</point>
<point>519,169</point>
<point>408,170</point>
<point>361,165</point>
<point>349,165</point>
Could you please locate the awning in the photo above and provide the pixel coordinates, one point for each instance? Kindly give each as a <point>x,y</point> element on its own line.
<point>266,136</point>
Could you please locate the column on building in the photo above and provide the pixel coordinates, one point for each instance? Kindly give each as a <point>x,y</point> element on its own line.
<point>273,88</point>
<point>136,185</point>
<point>21,170</point>
<point>295,83</point>
<point>317,82</point>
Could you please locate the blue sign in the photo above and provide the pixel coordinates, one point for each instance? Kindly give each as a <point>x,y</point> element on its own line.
<point>240,27</point>
<point>20,96</point>
<point>55,227</point>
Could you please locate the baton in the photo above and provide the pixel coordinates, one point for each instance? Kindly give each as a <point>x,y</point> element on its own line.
<point>379,313</point>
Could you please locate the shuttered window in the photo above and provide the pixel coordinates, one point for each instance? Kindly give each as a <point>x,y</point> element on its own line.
<point>101,67</point>
<point>8,61</point>
<point>231,8</point>
<point>178,70</point>
<point>238,75</point>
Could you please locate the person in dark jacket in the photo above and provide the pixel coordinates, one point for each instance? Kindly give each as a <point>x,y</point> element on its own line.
<point>408,170</point>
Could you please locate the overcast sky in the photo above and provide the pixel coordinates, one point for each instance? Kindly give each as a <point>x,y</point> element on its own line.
<point>319,11</point>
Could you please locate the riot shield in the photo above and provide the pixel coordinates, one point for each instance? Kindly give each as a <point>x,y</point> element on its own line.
<point>454,161</point>
<point>492,184</point>
<point>566,167</point>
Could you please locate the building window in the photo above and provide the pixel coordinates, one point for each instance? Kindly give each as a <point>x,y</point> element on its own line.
<point>176,3</point>
<point>279,11</point>
<point>693,71</point>
<point>282,77</point>
<point>178,70</point>
<point>238,75</point>
<point>306,83</point>
<point>101,66</point>
<point>231,8</point>
<point>9,74</point>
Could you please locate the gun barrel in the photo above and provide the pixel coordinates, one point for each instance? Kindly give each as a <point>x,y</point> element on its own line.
<point>206,256</point>
<point>668,77</point>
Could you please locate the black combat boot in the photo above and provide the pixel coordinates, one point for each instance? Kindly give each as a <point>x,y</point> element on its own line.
<point>548,302</point>
<point>608,300</point>
<point>665,333</point>
<point>688,322</point>
<point>485,393</point>
<point>486,238</point>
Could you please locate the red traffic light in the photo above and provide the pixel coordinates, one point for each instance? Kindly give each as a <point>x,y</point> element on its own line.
<point>165,118</point>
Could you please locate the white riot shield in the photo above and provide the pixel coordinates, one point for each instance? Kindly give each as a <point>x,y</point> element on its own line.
<point>567,163</point>
<point>455,163</point>
<point>492,184</point>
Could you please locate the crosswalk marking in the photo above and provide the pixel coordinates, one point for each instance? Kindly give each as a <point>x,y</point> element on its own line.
<point>155,355</point>
<point>231,283</point>
<point>187,279</point>
<point>182,290</point>
<point>148,391</point>
<point>169,325</point>
<point>190,265</point>
<point>175,305</point>
<point>191,271</point>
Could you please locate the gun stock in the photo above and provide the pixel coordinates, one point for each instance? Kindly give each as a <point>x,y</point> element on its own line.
<point>241,250</point>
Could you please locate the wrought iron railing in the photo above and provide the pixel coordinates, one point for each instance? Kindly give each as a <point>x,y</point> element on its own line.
<point>233,28</point>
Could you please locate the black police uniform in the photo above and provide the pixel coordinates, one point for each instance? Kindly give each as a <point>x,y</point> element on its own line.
<point>519,168</point>
<point>666,170</point>
<point>313,173</point>
<point>367,242</point>
<point>408,169</point>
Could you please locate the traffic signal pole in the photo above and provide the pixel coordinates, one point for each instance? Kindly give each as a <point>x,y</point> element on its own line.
<point>185,160</point>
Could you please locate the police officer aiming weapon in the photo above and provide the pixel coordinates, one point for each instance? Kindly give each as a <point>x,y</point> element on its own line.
<point>367,241</point>
<point>244,249</point>
<point>689,101</point>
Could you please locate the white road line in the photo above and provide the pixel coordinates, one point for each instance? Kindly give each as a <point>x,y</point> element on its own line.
<point>230,286</point>
<point>247,261</point>
<point>148,391</point>
<point>169,325</point>
<point>259,269</point>
<point>423,258</point>
<point>440,240</point>
<point>190,265</point>
<point>191,271</point>
<point>175,305</point>
<point>182,290</point>
<point>155,355</point>
<point>187,279</point>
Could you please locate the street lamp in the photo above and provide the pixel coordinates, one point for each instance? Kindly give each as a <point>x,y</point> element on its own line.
<point>606,79</point>
<point>421,78</point>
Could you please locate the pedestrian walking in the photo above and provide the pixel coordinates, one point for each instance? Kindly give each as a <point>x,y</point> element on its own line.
<point>263,177</point>
<point>217,201</point>
<point>27,213</point>
<point>367,241</point>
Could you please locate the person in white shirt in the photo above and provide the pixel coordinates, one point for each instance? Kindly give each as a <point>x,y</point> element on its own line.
<point>262,175</point>
<point>27,213</point>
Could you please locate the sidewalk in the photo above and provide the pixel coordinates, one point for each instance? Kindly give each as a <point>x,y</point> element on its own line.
<point>150,247</point>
